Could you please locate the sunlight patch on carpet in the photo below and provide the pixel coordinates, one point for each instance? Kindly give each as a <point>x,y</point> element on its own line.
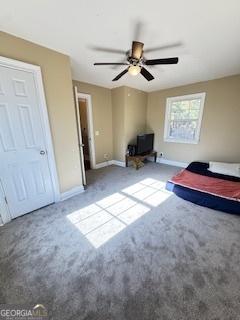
<point>102,220</point>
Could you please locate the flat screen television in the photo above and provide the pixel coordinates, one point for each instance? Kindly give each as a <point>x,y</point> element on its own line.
<point>145,143</point>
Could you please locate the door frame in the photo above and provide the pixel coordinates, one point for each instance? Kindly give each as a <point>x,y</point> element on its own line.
<point>92,152</point>
<point>37,75</point>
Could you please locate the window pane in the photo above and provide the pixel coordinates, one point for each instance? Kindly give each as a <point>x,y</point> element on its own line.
<point>195,104</point>
<point>185,109</point>
<point>180,110</point>
<point>183,118</point>
<point>183,130</point>
<point>194,114</point>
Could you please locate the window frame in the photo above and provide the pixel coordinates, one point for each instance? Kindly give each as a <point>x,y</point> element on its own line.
<point>169,102</point>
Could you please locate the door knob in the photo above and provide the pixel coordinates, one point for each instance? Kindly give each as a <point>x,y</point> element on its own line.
<point>42,152</point>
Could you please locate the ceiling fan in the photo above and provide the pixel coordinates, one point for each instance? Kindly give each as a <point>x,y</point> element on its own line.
<point>135,62</point>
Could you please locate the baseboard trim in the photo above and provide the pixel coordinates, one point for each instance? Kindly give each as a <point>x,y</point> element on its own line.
<point>159,160</point>
<point>103,164</point>
<point>109,163</point>
<point>119,163</point>
<point>172,163</point>
<point>71,193</point>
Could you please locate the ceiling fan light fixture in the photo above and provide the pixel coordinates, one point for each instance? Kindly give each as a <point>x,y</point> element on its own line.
<point>136,62</point>
<point>134,70</point>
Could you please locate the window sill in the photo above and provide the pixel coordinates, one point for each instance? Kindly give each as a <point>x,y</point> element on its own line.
<point>181,141</point>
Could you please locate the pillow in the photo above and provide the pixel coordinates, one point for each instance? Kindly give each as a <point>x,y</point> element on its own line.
<point>230,169</point>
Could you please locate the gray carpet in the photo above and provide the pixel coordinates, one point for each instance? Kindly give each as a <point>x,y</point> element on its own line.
<point>159,257</point>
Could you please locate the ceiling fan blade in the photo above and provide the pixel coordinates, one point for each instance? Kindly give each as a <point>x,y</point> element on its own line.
<point>122,62</point>
<point>111,64</point>
<point>161,61</point>
<point>108,50</point>
<point>120,75</point>
<point>164,47</point>
<point>137,49</point>
<point>147,75</point>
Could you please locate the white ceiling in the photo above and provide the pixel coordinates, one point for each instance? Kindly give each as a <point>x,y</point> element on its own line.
<point>204,34</point>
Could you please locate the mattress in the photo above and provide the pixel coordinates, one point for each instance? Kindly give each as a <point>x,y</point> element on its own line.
<point>226,200</point>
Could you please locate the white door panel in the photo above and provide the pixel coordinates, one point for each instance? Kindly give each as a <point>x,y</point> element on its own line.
<point>24,166</point>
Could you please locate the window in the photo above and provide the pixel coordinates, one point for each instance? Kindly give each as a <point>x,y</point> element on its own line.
<point>183,118</point>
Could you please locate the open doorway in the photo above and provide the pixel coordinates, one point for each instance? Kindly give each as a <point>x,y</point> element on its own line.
<point>82,105</point>
<point>85,132</point>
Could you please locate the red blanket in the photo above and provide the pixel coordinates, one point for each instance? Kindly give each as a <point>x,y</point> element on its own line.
<point>218,187</point>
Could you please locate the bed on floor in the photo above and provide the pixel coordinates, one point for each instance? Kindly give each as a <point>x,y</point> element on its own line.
<point>205,188</point>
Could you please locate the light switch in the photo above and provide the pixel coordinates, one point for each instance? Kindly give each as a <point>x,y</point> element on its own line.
<point>97,133</point>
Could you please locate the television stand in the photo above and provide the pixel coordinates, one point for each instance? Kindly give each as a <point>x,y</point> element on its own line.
<point>139,158</point>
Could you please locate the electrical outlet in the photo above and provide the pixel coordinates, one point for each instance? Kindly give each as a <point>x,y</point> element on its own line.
<point>106,156</point>
<point>161,154</point>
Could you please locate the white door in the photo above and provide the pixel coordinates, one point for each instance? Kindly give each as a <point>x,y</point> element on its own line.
<point>24,167</point>
<point>81,145</point>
